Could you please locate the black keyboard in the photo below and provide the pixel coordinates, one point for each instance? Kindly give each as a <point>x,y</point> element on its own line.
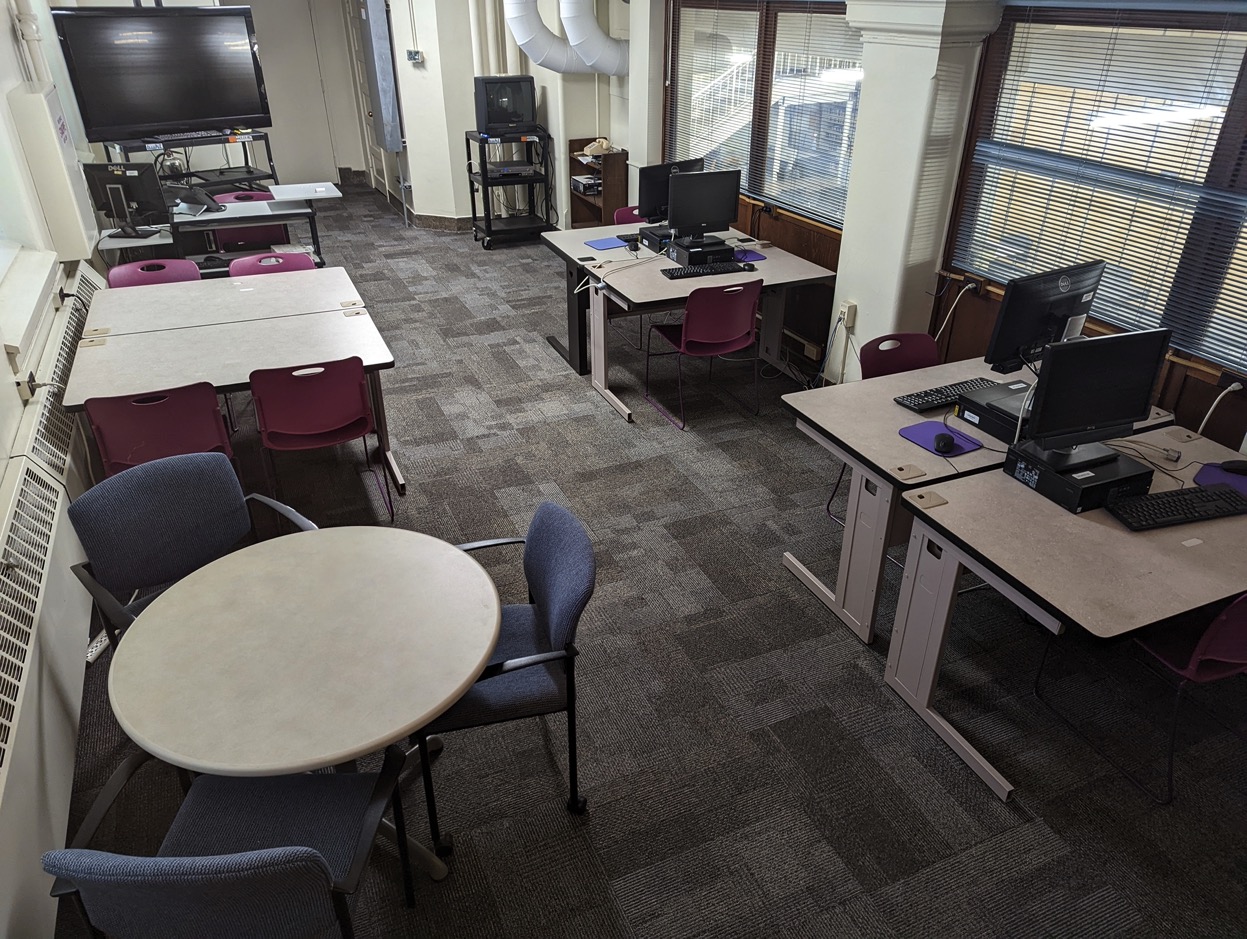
<point>942,396</point>
<point>701,270</point>
<point>1178,506</point>
<point>187,135</point>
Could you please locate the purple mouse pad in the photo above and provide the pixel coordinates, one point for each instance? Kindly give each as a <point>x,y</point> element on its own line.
<point>1213,473</point>
<point>744,254</point>
<point>924,436</point>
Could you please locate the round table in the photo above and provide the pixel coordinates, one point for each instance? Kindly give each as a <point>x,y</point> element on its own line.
<point>304,651</point>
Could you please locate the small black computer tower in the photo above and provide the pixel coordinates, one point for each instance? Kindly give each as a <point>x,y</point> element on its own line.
<point>710,251</point>
<point>656,237</point>
<point>995,410</point>
<point>1080,490</point>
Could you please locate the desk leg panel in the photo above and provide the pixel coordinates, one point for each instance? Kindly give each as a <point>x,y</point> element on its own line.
<point>599,365</point>
<point>383,432</point>
<point>576,350</point>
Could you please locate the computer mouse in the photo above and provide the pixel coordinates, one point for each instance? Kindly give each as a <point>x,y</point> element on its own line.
<point>944,443</point>
<point>748,266</point>
<point>1237,467</point>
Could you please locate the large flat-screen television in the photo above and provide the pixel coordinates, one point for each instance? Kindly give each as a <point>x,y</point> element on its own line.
<point>141,71</point>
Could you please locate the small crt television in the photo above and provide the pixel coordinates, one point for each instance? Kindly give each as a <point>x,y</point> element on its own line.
<point>506,104</point>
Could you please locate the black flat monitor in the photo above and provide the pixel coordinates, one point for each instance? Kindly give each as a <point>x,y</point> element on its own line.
<point>1091,390</point>
<point>129,194</point>
<point>506,104</point>
<point>140,71</point>
<point>653,186</point>
<point>1039,309</point>
<point>702,202</point>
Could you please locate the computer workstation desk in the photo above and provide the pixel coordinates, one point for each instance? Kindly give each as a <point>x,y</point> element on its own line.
<point>1060,568</point>
<point>859,423</point>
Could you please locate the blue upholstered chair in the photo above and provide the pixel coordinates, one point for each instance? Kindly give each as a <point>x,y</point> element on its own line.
<point>153,524</point>
<point>271,857</point>
<point>532,669</point>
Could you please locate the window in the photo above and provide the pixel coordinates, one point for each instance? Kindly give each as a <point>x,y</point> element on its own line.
<point>770,89</point>
<point>1120,137</point>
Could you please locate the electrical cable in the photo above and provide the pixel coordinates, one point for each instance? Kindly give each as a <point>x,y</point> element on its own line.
<point>1237,386</point>
<point>1017,433</point>
<point>835,489</point>
<point>949,315</point>
<point>1150,462</point>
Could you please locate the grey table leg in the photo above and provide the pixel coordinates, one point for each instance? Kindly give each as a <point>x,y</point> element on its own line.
<point>383,432</point>
<point>599,365</point>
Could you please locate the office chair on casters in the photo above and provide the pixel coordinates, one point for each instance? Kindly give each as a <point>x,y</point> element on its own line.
<point>306,407</point>
<point>272,263</point>
<point>717,321</point>
<point>1194,653</point>
<point>271,857</point>
<point>134,429</point>
<point>898,352</point>
<point>162,271</point>
<point>255,236</point>
<point>532,670</point>
<point>153,524</point>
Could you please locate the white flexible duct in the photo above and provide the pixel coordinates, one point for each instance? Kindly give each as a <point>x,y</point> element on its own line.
<point>598,50</point>
<point>535,38</point>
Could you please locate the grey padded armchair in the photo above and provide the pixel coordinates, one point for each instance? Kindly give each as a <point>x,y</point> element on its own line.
<point>153,524</point>
<point>269,857</point>
<point>532,670</point>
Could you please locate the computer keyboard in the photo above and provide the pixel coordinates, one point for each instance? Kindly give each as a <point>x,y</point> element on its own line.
<point>942,396</point>
<point>1178,506</point>
<point>186,135</point>
<point>701,270</point>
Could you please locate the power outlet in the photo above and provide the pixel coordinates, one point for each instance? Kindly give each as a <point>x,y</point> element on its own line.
<point>415,55</point>
<point>848,313</point>
<point>976,284</point>
<point>1228,378</point>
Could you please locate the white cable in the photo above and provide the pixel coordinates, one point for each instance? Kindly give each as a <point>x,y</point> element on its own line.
<point>1237,386</point>
<point>970,286</point>
<point>1017,433</point>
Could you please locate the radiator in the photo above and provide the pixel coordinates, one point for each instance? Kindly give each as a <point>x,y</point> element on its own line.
<point>44,617</point>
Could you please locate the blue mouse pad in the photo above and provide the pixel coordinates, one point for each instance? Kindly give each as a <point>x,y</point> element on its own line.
<point>601,244</point>
<point>1213,473</point>
<point>745,254</point>
<point>923,435</point>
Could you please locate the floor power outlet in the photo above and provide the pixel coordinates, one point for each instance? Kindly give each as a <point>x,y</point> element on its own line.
<point>97,646</point>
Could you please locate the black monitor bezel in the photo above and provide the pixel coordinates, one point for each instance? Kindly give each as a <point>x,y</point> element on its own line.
<point>1055,370</point>
<point>1017,339</point>
<point>97,133</point>
<point>481,84</point>
<point>681,228</point>
<point>655,180</point>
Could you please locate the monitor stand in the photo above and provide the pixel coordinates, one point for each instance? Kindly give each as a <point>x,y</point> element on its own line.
<point>119,215</point>
<point>1083,456</point>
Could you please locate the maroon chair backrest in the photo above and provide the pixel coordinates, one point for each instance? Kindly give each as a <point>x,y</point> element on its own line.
<point>899,352</point>
<point>311,401</point>
<point>626,215</point>
<point>718,320</point>
<point>1222,650</point>
<point>160,271</point>
<point>270,264</point>
<point>134,429</point>
<point>240,239</point>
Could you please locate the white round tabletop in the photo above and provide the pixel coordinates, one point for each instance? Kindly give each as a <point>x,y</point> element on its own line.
<point>304,651</point>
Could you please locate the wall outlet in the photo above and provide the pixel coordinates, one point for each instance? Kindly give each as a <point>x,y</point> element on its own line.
<point>1229,378</point>
<point>976,284</point>
<point>415,55</point>
<point>848,311</point>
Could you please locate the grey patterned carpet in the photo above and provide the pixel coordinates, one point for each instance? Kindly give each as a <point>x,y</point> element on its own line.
<point>748,772</point>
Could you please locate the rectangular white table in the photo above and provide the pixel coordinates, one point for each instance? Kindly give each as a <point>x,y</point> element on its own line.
<point>1058,567</point>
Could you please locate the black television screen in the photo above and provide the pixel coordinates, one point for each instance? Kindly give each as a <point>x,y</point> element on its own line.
<point>162,70</point>
<point>506,104</point>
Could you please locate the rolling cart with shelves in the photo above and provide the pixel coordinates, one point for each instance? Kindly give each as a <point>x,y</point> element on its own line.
<point>532,172</point>
<point>593,209</point>
<point>244,176</point>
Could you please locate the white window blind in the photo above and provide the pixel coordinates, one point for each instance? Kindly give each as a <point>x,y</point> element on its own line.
<point>1120,137</point>
<point>770,88</point>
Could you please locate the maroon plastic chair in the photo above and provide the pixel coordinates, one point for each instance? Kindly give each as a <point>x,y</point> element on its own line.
<point>627,215</point>
<point>134,429</point>
<point>899,352</point>
<point>160,271</point>
<point>270,264</point>
<point>1193,652</point>
<point>306,407</point>
<point>717,321</point>
<point>256,236</point>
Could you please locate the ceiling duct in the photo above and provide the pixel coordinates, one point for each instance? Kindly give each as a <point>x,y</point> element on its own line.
<point>586,49</point>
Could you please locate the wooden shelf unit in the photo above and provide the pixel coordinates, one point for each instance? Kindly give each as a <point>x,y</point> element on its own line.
<point>587,211</point>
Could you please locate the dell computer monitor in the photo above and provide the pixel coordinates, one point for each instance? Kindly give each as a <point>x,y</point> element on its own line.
<point>1090,390</point>
<point>653,186</point>
<point>139,71</point>
<point>1040,309</point>
<point>702,202</point>
<point>129,194</point>
<point>505,104</point>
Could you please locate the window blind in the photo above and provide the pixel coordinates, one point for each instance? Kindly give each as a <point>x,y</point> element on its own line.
<point>772,89</point>
<point>1120,137</point>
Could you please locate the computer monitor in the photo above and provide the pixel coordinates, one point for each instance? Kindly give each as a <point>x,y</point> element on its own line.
<point>702,202</point>
<point>1040,309</point>
<point>1091,390</point>
<point>129,194</point>
<point>653,186</point>
<point>506,104</point>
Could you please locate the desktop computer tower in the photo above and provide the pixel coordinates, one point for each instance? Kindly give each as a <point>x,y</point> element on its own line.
<point>995,410</point>
<point>656,237</point>
<point>1079,490</point>
<point>711,251</point>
